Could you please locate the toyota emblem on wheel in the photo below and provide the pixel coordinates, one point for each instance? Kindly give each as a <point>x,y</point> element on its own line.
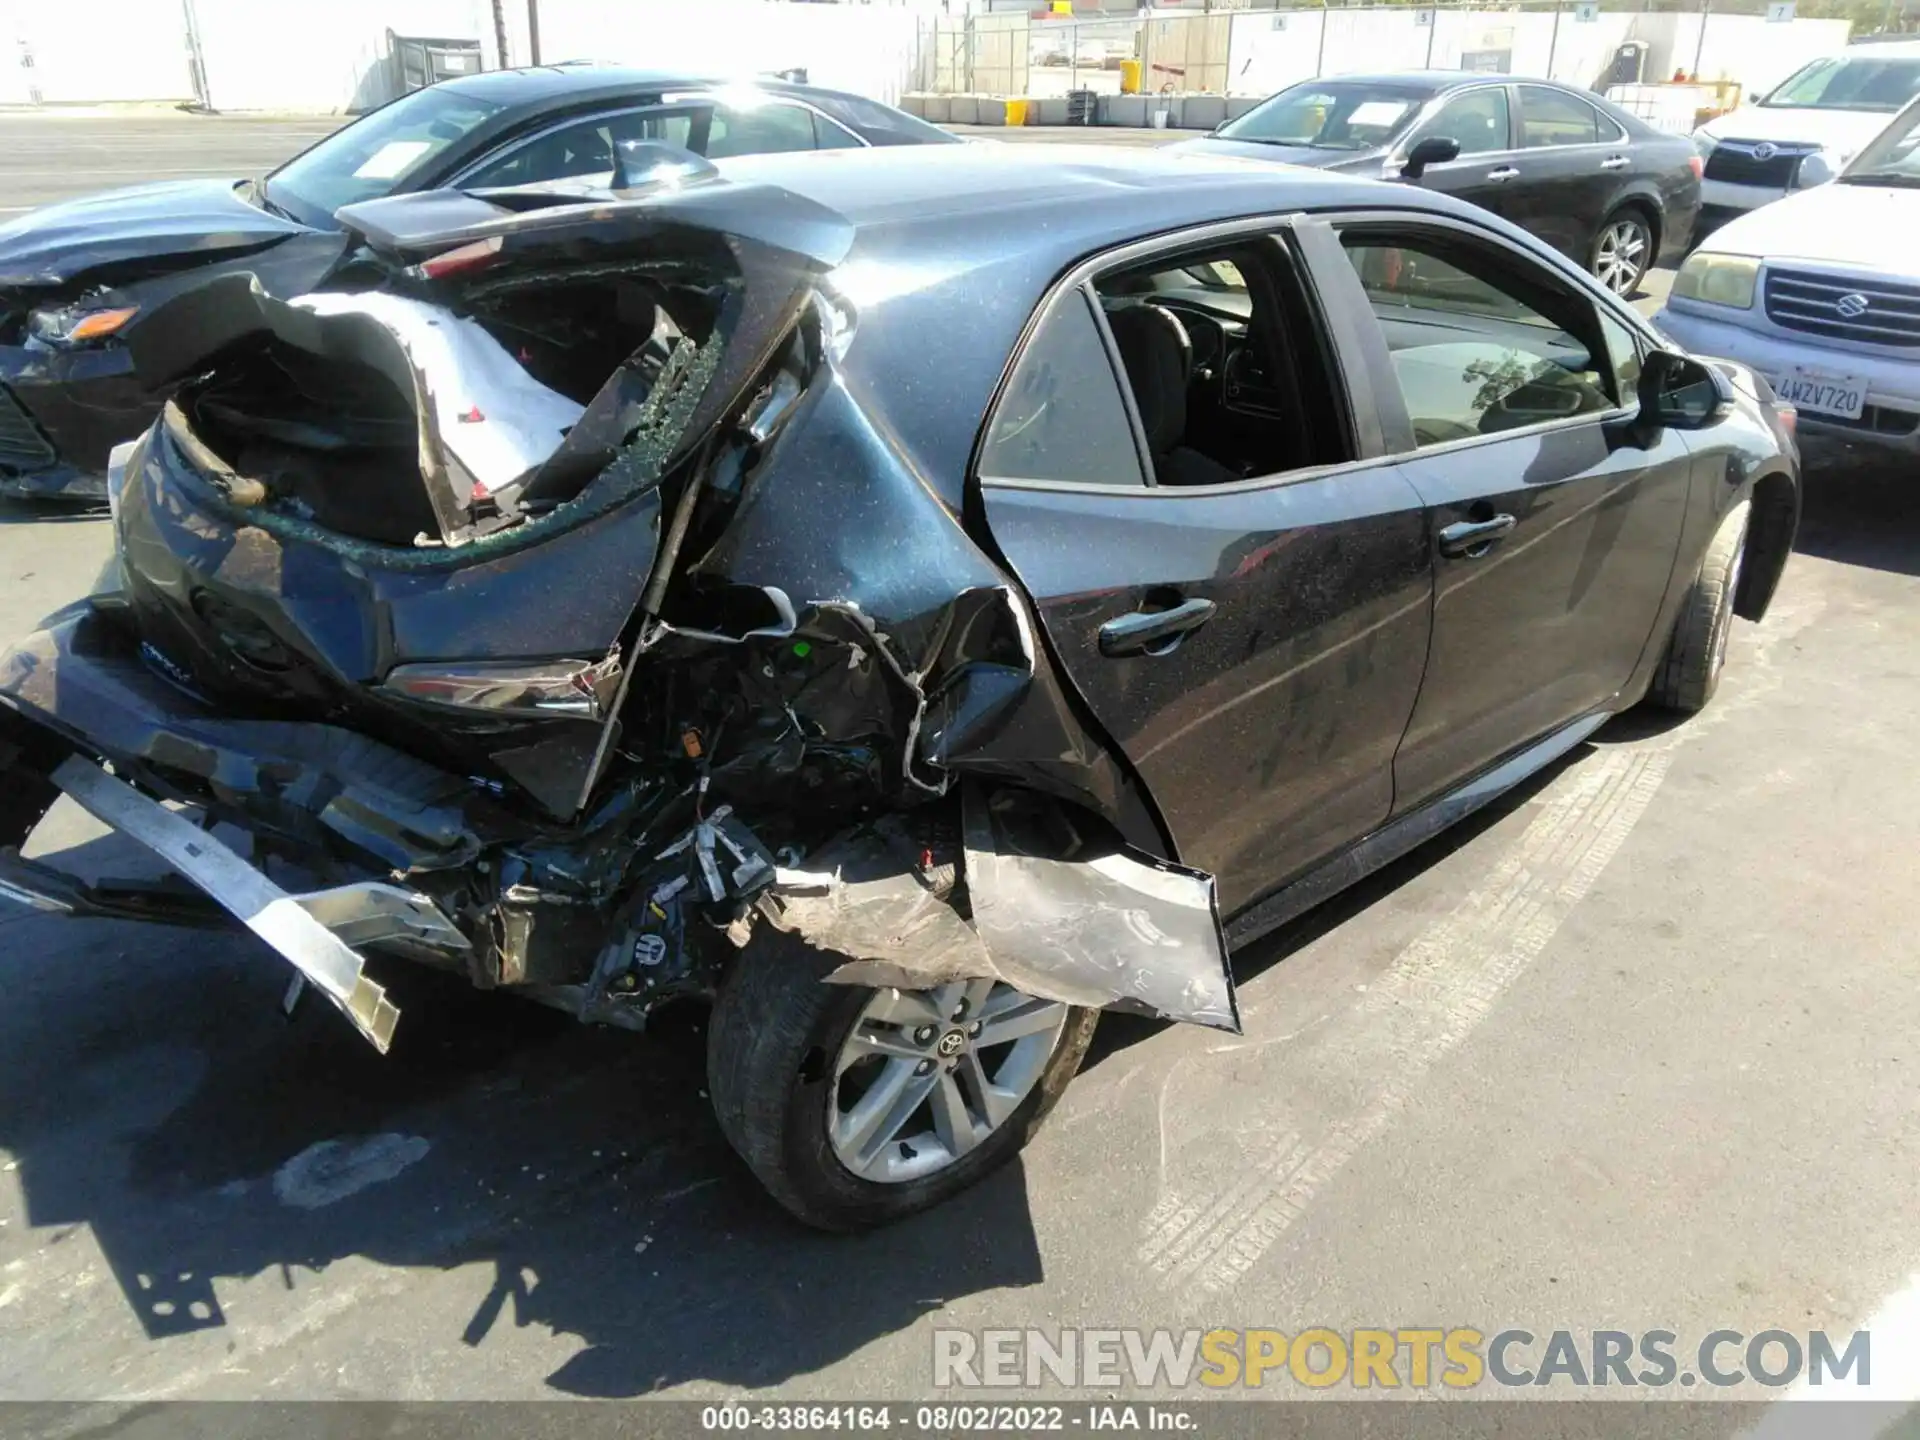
<point>1851,307</point>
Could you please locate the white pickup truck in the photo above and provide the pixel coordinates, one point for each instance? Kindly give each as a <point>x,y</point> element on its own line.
<point>1821,294</point>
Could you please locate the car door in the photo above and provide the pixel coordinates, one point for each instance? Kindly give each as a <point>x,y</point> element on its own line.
<point>1510,388</point>
<point>1252,642</point>
<point>1480,120</point>
<point>1569,172</point>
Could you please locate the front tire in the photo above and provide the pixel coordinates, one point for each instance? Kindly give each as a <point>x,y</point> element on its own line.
<point>1689,673</point>
<point>857,1107</point>
<point>1622,252</point>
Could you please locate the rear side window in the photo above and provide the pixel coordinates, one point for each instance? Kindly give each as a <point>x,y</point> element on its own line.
<point>759,130</point>
<point>1552,117</point>
<point>1478,120</point>
<point>1062,416</point>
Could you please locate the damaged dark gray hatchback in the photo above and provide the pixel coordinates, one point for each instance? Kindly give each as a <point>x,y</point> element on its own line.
<point>830,572</point>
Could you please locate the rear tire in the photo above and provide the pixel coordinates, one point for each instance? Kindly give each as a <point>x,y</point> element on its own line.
<point>776,1038</point>
<point>1622,251</point>
<point>1689,672</point>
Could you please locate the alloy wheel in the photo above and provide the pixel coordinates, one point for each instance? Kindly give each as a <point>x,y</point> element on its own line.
<point>1620,258</point>
<point>926,1076</point>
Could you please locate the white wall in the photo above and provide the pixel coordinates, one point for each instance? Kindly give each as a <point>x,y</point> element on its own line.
<point>331,57</point>
<point>94,50</point>
<point>864,48</point>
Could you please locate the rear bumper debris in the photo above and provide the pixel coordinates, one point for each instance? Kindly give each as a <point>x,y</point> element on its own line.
<point>323,960</point>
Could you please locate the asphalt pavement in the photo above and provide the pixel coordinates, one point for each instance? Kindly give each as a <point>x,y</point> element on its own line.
<point>1634,1050</point>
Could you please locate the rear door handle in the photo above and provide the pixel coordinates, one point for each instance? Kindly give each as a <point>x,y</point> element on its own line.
<point>1615,162</point>
<point>1471,539</point>
<point>1144,629</point>
<point>1505,172</point>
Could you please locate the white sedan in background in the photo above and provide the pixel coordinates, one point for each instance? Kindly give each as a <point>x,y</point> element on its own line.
<point>1820,293</point>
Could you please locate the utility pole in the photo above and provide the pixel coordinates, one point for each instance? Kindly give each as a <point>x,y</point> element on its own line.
<point>533,32</point>
<point>500,34</point>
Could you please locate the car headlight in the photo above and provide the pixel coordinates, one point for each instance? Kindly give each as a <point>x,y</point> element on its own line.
<point>1718,279</point>
<point>68,325</point>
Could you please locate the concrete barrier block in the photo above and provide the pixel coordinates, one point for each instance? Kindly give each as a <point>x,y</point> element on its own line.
<point>1203,112</point>
<point>914,104</point>
<point>939,109</point>
<point>963,110</point>
<point>1238,105</point>
<point>990,110</point>
<point>1123,110</point>
<point>1051,110</point>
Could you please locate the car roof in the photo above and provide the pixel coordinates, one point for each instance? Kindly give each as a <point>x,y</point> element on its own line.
<point>961,242</point>
<point>571,82</point>
<point>1869,46</point>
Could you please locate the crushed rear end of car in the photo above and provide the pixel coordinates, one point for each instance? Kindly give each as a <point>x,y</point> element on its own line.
<point>537,602</point>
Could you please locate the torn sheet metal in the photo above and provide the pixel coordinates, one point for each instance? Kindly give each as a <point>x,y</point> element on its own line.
<point>321,957</point>
<point>880,909</point>
<point>494,418</point>
<point>1104,928</point>
<point>1142,934</point>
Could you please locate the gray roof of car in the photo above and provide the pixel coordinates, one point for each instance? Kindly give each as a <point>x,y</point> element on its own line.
<point>955,245</point>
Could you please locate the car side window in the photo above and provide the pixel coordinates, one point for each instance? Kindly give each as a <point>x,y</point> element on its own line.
<point>1609,130</point>
<point>1626,353</point>
<point>581,150</point>
<point>1477,119</point>
<point>1477,346</point>
<point>1551,117</point>
<point>831,135</point>
<point>759,130</point>
<point>1062,416</point>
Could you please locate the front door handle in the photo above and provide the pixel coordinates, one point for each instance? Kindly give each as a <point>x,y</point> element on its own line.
<point>1615,162</point>
<point>1471,539</point>
<point>1505,172</point>
<point>1144,630</point>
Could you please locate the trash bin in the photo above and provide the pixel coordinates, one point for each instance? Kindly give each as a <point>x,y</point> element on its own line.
<point>1129,77</point>
<point>1082,107</point>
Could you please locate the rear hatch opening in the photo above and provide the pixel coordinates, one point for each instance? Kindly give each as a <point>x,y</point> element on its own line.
<point>504,353</point>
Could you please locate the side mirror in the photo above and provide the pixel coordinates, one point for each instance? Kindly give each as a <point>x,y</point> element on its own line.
<point>1678,392</point>
<point>1434,150</point>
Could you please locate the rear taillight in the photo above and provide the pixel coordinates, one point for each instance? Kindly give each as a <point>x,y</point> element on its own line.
<point>1789,419</point>
<point>579,688</point>
<point>1697,166</point>
<point>464,257</point>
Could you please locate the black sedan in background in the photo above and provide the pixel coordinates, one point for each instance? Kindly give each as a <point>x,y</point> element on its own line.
<point>76,278</point>
<point>1596,183</point>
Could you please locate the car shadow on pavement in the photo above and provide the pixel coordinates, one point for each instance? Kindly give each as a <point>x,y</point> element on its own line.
<point>1119,1032</point>
<point>158,1099</point>
<point>1861,512</point>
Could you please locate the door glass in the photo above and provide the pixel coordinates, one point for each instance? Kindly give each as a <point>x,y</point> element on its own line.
<point>759,130</point>
<point>1623,348</point>
<point>1551,117</point>
<point>1062,416</point>
<point>1471,356</point>
<point>1478,120</point>
<point>827,135</point>
<point>581,151</point>
<point>1230,378</point>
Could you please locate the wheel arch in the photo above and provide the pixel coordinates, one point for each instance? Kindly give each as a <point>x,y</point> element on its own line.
<point>1774,521</point>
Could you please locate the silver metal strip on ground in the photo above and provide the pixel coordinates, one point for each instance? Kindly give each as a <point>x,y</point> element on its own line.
<point>263,907</point>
